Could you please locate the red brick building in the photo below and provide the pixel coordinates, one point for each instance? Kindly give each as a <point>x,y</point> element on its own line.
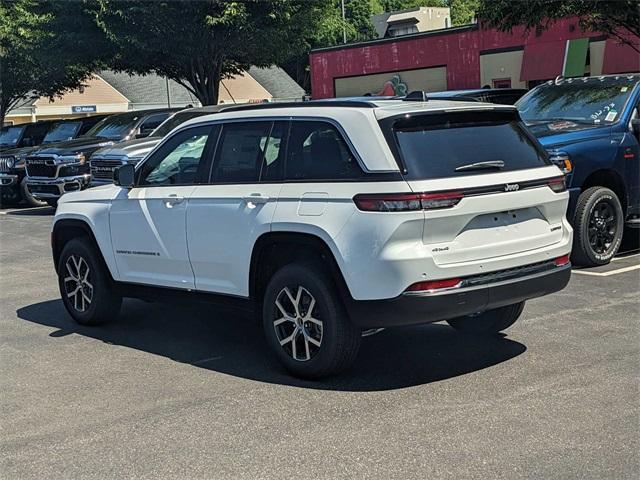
<point>467,57</point>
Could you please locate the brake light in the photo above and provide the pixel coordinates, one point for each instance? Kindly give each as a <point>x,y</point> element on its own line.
<point>557,184</point>
<point>435,285</point>
<point>405,202</point>
<point>562,261</point>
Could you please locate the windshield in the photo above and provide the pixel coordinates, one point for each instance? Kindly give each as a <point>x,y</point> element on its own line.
<point>115,127</point>
<point>592,101</point>
<point>172,122</point>
<point>10,135</point>
<point>62,131</point>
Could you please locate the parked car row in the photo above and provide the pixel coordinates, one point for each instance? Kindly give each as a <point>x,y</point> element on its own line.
<point>329,219</point>
<point>589,127</point>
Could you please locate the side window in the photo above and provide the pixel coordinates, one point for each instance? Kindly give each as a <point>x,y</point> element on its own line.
<point>240,152</point>
<point>317,151</point>
<point>178,161</point>
<point>150,123</point>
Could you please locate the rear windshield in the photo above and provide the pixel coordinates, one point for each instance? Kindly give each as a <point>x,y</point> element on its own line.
<point>464,143</point>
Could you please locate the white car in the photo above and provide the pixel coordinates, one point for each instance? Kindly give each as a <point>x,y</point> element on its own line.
<point>329,219</point>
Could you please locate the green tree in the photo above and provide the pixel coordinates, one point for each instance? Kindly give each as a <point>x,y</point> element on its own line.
<point>615,18</point>
<point>46,48</point>
<point>199,43</point>
<point>463,12</point>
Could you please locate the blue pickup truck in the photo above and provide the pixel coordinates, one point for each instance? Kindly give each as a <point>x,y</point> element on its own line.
<point>591,128</point>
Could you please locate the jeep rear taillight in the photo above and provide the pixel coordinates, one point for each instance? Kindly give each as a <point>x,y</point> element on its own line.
<point>557,184</point>
<point>406,202</point>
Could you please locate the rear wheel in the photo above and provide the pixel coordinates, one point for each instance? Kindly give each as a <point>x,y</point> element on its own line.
<point>490,322</point>
<point>28,197</point>
<point>85,285</point>
<point>305,322</point>
<point>598,227</point>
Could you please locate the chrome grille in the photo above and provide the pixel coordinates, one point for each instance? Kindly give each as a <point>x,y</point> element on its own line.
<point>103,169</point>
<point>4,164</point>
<point>41,167</point>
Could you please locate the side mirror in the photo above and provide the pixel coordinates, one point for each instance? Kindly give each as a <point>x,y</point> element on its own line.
<point>124,176</point>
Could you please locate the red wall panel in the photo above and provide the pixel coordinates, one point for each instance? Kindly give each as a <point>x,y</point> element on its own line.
<point>457,49</point>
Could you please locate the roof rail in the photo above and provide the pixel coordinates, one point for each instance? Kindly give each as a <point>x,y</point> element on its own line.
<point>311,103</point>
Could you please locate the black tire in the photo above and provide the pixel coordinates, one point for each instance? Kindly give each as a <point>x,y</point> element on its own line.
<point>338,338</point>
<point>104,303</point>
<point>28,198</point>
<point>52,203</point>
<point>490,322</point>
<point>596,239</point>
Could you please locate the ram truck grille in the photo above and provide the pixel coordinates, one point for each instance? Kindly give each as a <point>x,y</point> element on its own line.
<point>103,169</point>
<point>41,167</point>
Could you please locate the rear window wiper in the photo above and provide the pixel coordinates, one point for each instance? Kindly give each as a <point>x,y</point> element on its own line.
<point>481,165</point>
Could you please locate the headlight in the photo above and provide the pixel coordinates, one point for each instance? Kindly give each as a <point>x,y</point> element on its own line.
<point>562,160</point>
<point>134,160</point>
<point>19,160</point>
<point>78,158</point>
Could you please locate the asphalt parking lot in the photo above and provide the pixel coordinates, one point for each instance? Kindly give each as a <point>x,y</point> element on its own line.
<point>187,392</point>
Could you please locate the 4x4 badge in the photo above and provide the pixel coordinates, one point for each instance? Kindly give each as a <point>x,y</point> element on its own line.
<point>511,187</point>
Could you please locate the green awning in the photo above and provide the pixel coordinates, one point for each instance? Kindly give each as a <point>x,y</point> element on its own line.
<point>575,57</point>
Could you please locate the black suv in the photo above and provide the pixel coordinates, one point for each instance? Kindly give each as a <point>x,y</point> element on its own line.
<point>64,166</point>
<point>30,138</point>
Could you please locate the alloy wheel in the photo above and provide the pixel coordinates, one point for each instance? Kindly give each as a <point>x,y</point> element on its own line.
<point>602,227</point>
<point>77,283</point>
<point>298,329</point>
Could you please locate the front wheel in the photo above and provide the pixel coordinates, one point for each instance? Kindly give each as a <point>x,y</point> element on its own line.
<point>490,322</point>
<point>305,322</point>
<point>598,227</point>
<point>85,285</point>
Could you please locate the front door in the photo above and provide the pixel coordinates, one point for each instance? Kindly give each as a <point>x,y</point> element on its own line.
<point>148,222</point>
<point>226,216</point>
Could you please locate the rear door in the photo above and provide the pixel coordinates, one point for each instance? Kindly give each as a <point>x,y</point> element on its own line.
<point>486,181</point>
<point>236,206</point>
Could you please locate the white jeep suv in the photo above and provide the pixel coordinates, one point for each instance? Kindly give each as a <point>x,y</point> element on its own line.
<point>328,218</point>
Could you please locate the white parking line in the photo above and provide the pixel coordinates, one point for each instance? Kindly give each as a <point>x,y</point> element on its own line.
<point>624,257</point>
<point>609,273</point>
<point>28,209</point>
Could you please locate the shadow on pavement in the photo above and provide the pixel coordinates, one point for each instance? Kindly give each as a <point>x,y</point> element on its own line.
<point>33,212</point>
<point>229,343</point>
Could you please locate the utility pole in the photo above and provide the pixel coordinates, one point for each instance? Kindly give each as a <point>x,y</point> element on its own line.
<point>344,25</point>
<point>166,80</point>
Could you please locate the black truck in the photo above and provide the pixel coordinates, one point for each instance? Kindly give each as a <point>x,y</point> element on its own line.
<point>63,167</point>
<point>27,139</point>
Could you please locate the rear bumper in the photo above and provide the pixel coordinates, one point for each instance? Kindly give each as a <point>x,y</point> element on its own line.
<point>481,293</point>
<point>43,188</point>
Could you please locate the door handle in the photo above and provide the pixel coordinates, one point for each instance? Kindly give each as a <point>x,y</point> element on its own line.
<point>256,198</point>
<point>173,199</point>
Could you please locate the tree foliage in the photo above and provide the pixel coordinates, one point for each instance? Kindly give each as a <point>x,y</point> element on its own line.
<point>201,42</point>
<point>46,48</point>
<point>614,18</point>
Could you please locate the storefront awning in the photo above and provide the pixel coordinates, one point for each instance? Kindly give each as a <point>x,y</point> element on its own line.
<point>575,57</point>
<point>542,61</point>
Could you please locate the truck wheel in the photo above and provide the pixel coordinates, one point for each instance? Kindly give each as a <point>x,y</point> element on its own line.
<point>598,227</point>
<point>85,285</point>
<point>27,196</point>
<point>490,322</point>
<point>306,324</point>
